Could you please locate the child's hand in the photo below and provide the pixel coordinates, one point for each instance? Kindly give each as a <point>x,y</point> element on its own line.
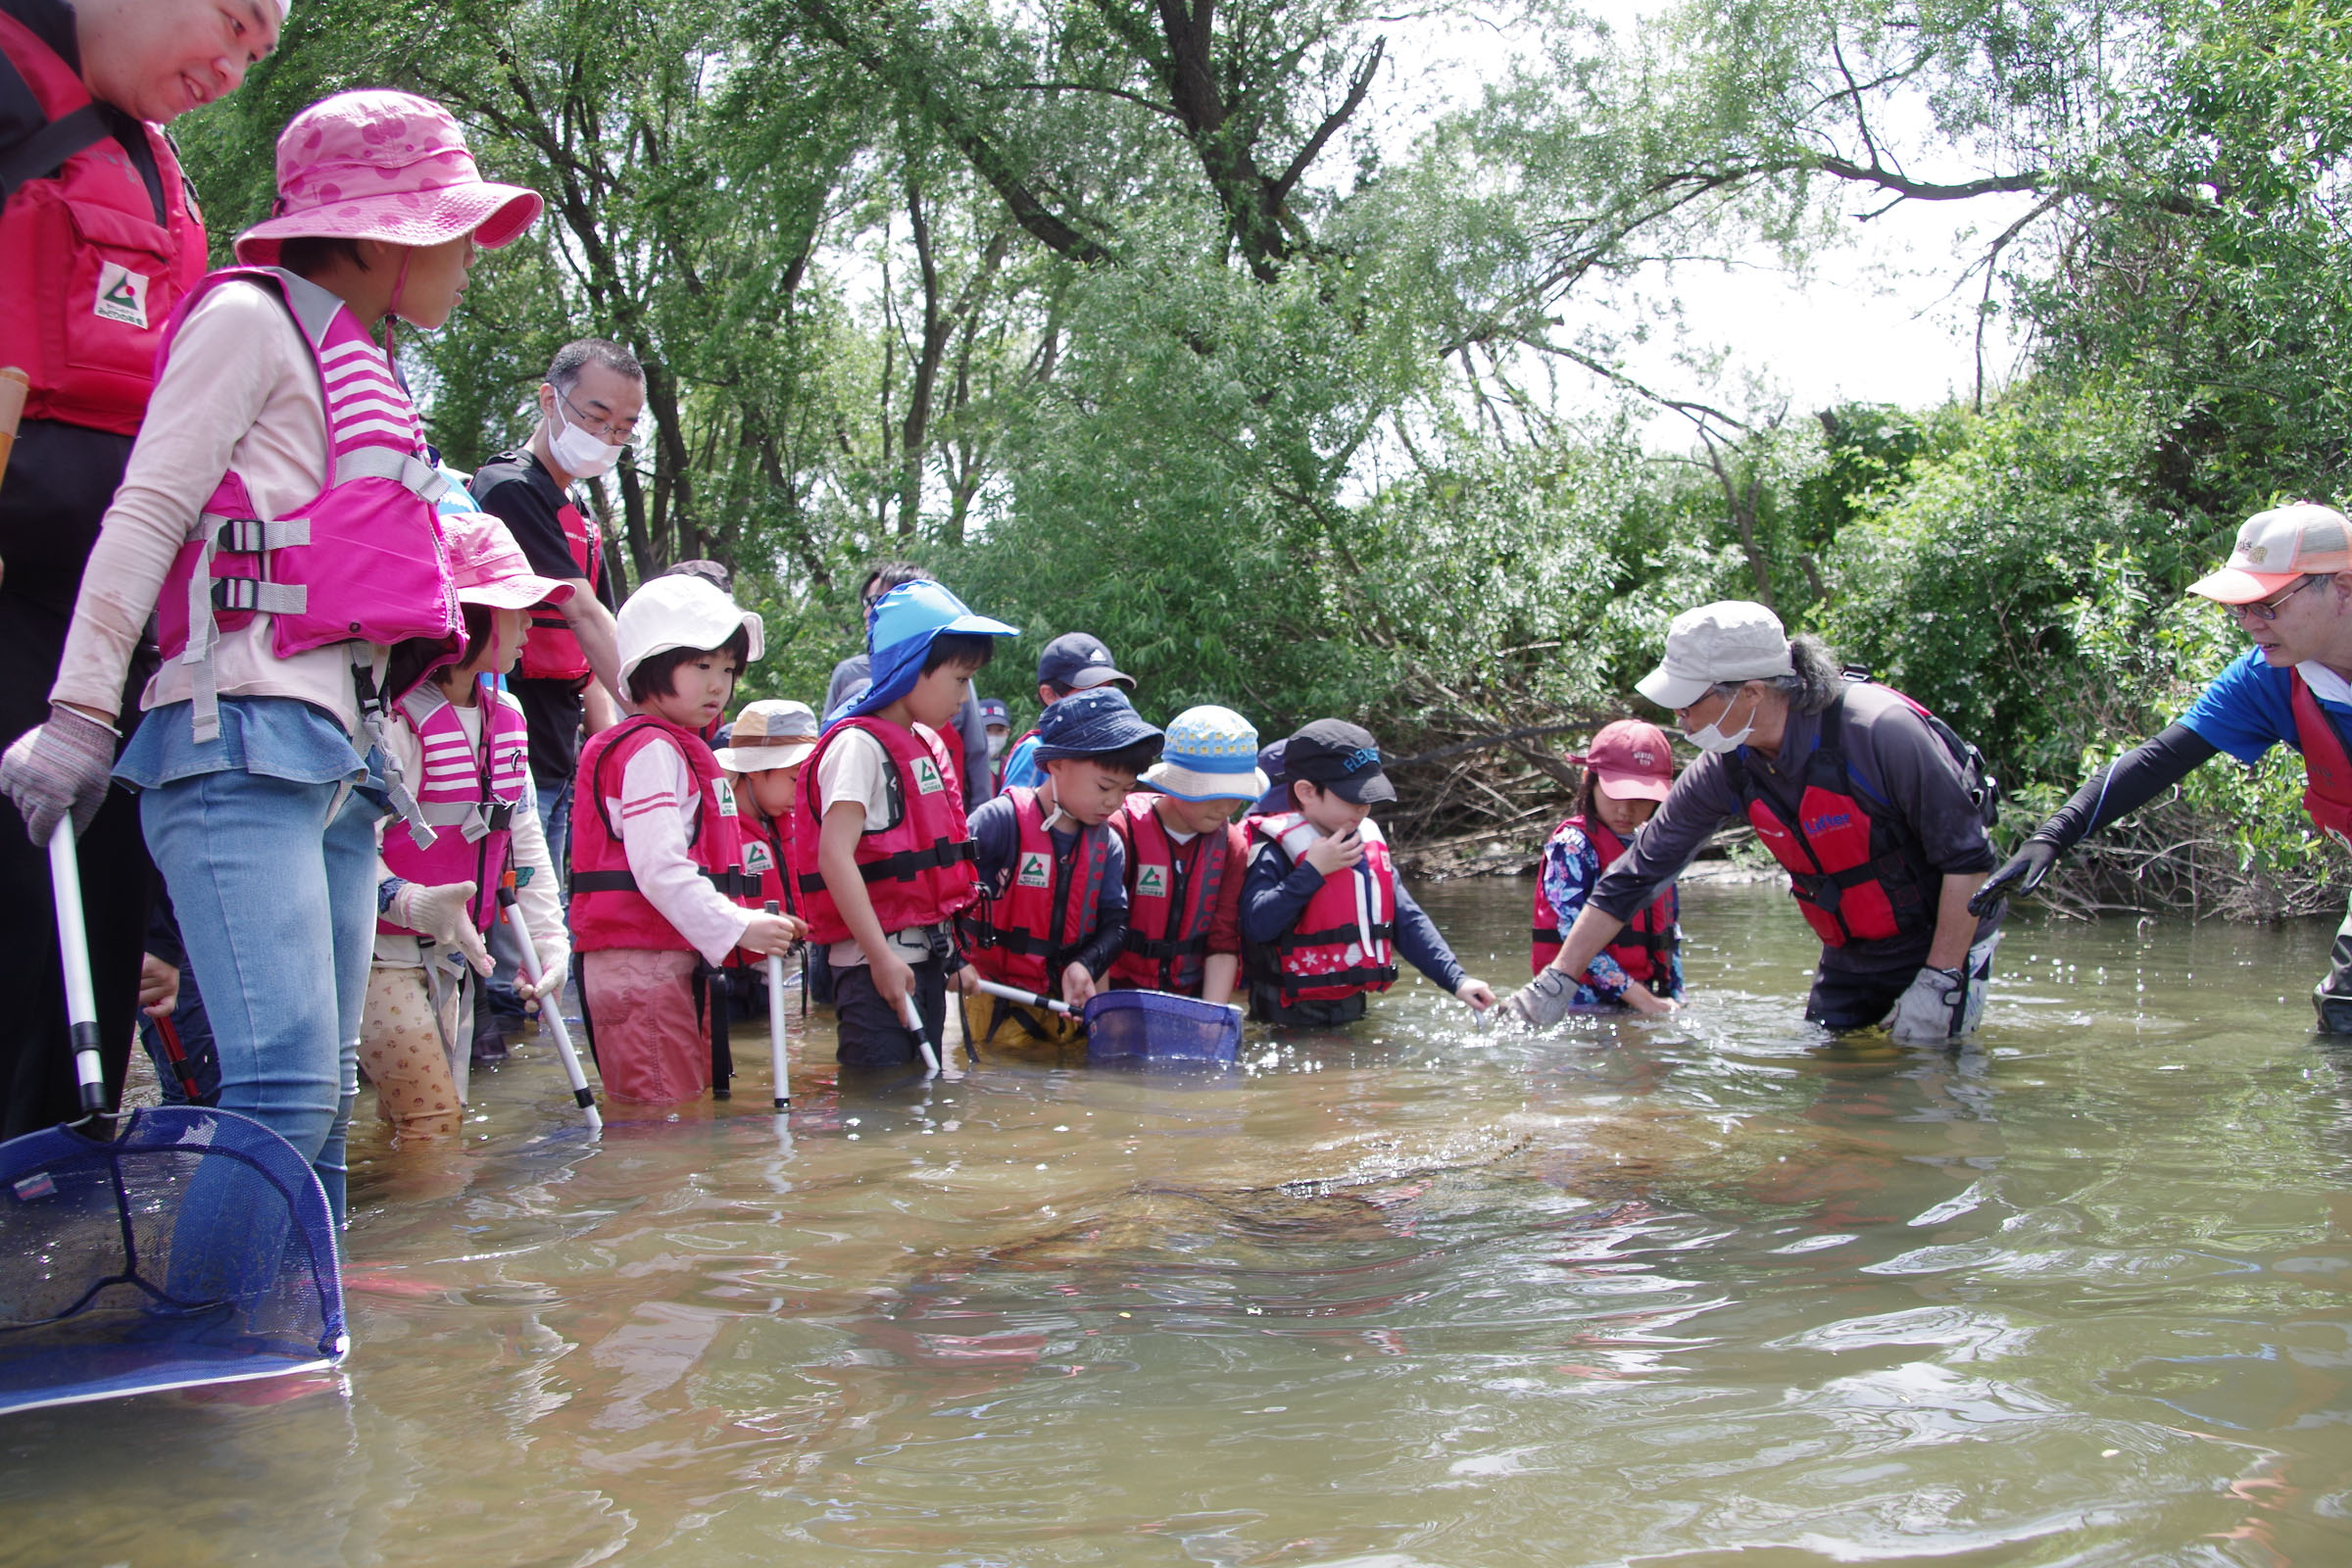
<point>1336,851</point>
<point>1642,1000</point>
<point>159,986</point>
<point>1077,985</point>
<point>894,982</point>
<point>1476,993</point>
<point>770,934</point>
<point>965,980</point>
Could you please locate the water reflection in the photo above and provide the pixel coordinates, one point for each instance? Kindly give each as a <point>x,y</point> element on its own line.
<point>1693,1291</point>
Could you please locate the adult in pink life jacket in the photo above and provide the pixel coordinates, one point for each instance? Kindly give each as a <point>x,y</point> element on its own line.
<point>1628,770</point>
<point>2287,586</point>
<point>274,400</point>
<point>464,745</point>
<point>1874,807</point>
<point>99,239</point>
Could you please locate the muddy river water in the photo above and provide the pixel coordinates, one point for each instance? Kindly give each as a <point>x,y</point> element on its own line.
<point>1708,1291</point>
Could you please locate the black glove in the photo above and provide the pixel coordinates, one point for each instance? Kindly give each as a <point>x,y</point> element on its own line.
<point>2026,870</point>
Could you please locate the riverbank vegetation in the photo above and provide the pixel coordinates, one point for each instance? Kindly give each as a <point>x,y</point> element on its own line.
<point>1221,332</point>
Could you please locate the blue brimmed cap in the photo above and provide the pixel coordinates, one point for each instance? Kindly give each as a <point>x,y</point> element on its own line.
<point>900,628</point>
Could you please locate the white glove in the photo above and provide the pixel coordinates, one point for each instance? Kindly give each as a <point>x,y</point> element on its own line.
<point>443,914</point>
<point>1543,1000</point>
<point>554,969</point>
<point>1929,1012</point>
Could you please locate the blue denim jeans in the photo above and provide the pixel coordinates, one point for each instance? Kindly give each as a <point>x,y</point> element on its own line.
<point>555,818</point>
<point>277,903</point>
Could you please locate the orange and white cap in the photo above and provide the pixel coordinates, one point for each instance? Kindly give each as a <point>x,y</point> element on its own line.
<point>2276,547</point>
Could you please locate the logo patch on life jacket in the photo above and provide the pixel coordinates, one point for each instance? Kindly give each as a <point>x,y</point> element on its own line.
<point>121,295</point>
<point>1828,821</point>
<point>757,859</point>
<point>926,777</point>
<point>1152,882</point>
<point>724,793</point>
<point>1037,871</point>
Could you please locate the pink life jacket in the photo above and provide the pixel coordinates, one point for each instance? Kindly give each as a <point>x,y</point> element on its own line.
<point>361,562</point>
<point>466,796</point>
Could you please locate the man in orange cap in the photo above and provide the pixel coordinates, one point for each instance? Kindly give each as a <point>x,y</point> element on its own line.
<point>2289,587</point>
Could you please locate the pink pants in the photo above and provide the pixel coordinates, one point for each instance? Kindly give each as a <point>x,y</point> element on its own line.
<point>650,1044</point>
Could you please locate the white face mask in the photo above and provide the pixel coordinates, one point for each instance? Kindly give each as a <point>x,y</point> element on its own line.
<point>995,745</point>
<point>1711,738</point>
<point>575,451</point>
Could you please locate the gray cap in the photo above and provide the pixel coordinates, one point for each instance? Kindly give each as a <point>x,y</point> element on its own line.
<point>1731,639</point>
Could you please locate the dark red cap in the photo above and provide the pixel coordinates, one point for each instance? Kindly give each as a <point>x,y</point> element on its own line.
<point>1631,760</point>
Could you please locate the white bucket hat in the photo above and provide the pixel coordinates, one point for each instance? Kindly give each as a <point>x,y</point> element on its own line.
<point>679,612</point>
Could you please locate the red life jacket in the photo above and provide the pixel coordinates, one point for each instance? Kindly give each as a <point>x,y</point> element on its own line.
<point>1857,871</point>
<point>1172,897</point>
<point>551,651</point>
<point>468,796</point>
<point>917,867</point>
<point>606,909</point>
<point>1323,956</point>
<point>768,861</point>
<point>363,561</point>
<point>92,263</point>
<point>1024,935</point>
<point>2327,765</point>
<point>1644,947</point>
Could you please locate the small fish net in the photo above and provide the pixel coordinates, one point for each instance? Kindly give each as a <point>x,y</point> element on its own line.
<point>1159,1026</point>
<point>195,1247</point>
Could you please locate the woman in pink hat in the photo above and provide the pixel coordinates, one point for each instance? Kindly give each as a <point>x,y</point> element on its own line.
<point>276,520</point>
<point>1628,771</point>
<point>467,746</point>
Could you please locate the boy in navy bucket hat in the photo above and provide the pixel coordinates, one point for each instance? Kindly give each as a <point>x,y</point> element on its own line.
<point>879,801</point>
<point>1324,916</point>
<point>1052,914</point>
<point>1185,855</point>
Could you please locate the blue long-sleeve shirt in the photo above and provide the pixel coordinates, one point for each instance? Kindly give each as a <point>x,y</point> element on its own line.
<point>996,840</point>
<point>1275,893</point>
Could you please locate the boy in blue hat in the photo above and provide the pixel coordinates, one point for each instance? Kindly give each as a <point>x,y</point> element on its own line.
<point>1324,915</point>
<point>1074,662</point>
<point>1185,855</point>
<point>880,803</point>
<point>1053,910</point>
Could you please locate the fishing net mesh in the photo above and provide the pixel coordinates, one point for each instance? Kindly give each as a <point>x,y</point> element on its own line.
<point>1160,1026</point>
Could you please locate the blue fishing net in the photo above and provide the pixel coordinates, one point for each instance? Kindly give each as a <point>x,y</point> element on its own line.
<point>1160,1026</point>
<point>195,1247</point>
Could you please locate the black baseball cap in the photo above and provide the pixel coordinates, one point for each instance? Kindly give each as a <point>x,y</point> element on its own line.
<point>1342,758</point>
<point>1078,661</point>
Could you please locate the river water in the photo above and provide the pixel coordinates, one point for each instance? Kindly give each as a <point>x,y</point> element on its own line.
<point>1700,1291</point>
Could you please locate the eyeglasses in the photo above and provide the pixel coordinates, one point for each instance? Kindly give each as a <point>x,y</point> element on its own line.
<point>2265,611</point>
<point>618,435</point>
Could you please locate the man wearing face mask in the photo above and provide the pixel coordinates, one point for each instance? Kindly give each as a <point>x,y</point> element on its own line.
<point>1878,816</point>
<point>569,671</point>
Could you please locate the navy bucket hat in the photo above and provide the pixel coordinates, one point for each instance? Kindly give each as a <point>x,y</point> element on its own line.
<point>1091,723</point>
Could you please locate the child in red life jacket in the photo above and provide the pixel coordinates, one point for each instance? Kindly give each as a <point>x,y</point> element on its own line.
<point>766,750</point>
<point>1627,773</point>
<point>656,866</point>
<point>1052,915</point>
<point>465,744</point>
<point>1185,855</point>
<point>1323,914</point>
<point>1074,662</point>
<point>894,854</point>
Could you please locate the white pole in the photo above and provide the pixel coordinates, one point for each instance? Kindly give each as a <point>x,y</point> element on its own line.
<point>551,1011</point>
<point>72,949</point>
<point>776,1026</point>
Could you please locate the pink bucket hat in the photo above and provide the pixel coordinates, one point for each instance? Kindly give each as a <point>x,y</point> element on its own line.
<point>489,568</point>
<point>385,165</point>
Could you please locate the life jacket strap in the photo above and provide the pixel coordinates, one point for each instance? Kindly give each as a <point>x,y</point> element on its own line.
<point>405,469</point>
<point>733,882</point>
<point>905,865</point>
<point>1159,949</point>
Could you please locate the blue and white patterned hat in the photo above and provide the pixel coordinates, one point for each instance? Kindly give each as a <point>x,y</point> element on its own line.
<point>1210,755</point>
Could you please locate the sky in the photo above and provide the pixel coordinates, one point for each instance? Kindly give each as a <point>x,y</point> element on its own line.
<point>1876,319</point>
